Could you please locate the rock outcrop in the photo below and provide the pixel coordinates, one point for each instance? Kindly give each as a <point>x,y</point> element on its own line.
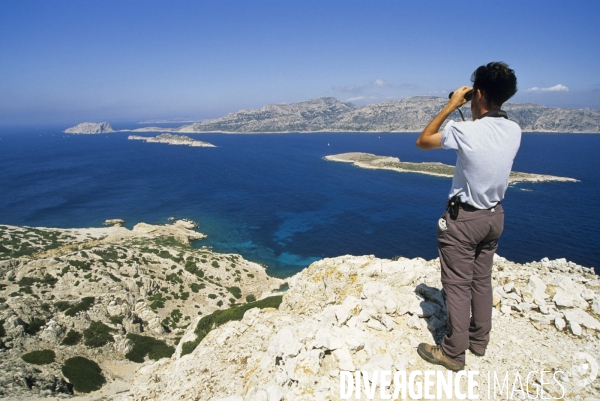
<point>360,313</point>
<point>90,128</point>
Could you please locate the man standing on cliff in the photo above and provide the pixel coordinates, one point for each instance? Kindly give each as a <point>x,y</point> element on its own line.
<point>468,231</point>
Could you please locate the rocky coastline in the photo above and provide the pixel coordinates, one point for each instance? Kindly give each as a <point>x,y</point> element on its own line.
<point>108,296</point>
<point>374,162</point>
<point>163,320</point>
<point>410,115</point>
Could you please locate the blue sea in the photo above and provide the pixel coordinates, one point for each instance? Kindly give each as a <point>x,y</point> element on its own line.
<point>273,199</point>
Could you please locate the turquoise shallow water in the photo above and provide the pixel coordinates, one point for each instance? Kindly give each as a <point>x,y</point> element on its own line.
<point>273,199</point>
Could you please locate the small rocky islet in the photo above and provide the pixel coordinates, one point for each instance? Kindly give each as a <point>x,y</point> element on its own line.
<point>374,162</point>
<point>151,317</point>
<point>172,140</point>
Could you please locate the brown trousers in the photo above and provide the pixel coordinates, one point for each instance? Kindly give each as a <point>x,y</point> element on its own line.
<point>466,251</point>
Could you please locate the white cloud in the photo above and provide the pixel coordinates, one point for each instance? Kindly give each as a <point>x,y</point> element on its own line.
<point>555,88</point>
<point>381,83</point>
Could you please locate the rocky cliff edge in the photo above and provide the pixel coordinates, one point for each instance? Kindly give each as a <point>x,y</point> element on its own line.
<point>360,313</point>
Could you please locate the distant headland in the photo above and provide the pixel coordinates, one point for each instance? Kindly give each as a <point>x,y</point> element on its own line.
<point>328,114</point>
<point>371,161</point>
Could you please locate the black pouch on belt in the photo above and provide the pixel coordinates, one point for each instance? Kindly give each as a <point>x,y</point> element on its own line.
<point>453,205</point>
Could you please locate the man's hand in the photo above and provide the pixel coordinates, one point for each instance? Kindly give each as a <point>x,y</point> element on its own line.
<point>431,138</point>
<point>458,97</point>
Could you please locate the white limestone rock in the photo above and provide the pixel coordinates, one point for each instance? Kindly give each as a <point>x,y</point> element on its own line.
<point>378,363</point>
<point>563,298</point>
<point>538,288</point>
<point>52,332</point>
<point>575,328</point>
<point>284,344</point>
<point>375,325</point>
<point>582,318</point>
<point>344,359</point>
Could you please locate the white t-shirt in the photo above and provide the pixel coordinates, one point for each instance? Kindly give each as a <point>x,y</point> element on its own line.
<point>485,150</point>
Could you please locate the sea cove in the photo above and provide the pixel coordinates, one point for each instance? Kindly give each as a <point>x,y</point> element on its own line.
<point>274,200</point>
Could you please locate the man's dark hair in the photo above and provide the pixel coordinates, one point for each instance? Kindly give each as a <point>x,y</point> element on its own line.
<point>497,82</point>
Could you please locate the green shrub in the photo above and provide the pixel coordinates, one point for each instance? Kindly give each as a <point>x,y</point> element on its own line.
<point>62,305</point>
<point>185,295</point>
<point>250,298</point>
<point>215,264</point>
<point>108,254</point>
<point>83,265</point>
<point>235,291</point>
<point>98,335</point>
<point>85,375</point>
<point>114,278</point>
<point>174,278</point>
<point>197,287</point>
<point>217,318</point>
<point>34,326</point>
<point>116,319</point>
<point>143,345</point>
<point>85,304</point>
<point>157,304</point>
<point>73,337</point>
<point>212,296</point>
<point>191,266</point>
<point>2,331</point>
<point>220,303</point>
<point>250,275</point>
<point>3,300</point>
<point>43,357</point>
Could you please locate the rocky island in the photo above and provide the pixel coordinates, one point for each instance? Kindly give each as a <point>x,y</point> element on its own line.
<point>90,128</point>
<point>141,315</point>
<point>172,140</point>
<point>374,162</point>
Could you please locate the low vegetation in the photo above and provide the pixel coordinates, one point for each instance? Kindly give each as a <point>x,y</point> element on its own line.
<point>73,337</point>
<point>85,375</point>
<point>220,317</point>
<point>42,357</point>
<point>98,335</point>
<point>148,346</point>
<point>85,304</point>
<point>34,326</point>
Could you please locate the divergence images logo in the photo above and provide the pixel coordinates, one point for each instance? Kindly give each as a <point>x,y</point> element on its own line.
<point>584,370</point>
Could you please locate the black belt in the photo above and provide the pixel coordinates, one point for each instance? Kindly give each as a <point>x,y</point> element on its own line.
<point>453,204</point>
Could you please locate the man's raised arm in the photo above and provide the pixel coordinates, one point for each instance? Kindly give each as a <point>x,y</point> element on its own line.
<point>431,137</point>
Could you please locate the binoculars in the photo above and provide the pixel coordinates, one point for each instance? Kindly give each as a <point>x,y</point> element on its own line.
<point>468,95</point>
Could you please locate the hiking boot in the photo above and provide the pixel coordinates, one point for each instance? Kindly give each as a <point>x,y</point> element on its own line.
<point>434,354</point>
<point>476,353</point>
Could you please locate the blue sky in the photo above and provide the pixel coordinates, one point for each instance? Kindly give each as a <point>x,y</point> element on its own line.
<point>72,61</point>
